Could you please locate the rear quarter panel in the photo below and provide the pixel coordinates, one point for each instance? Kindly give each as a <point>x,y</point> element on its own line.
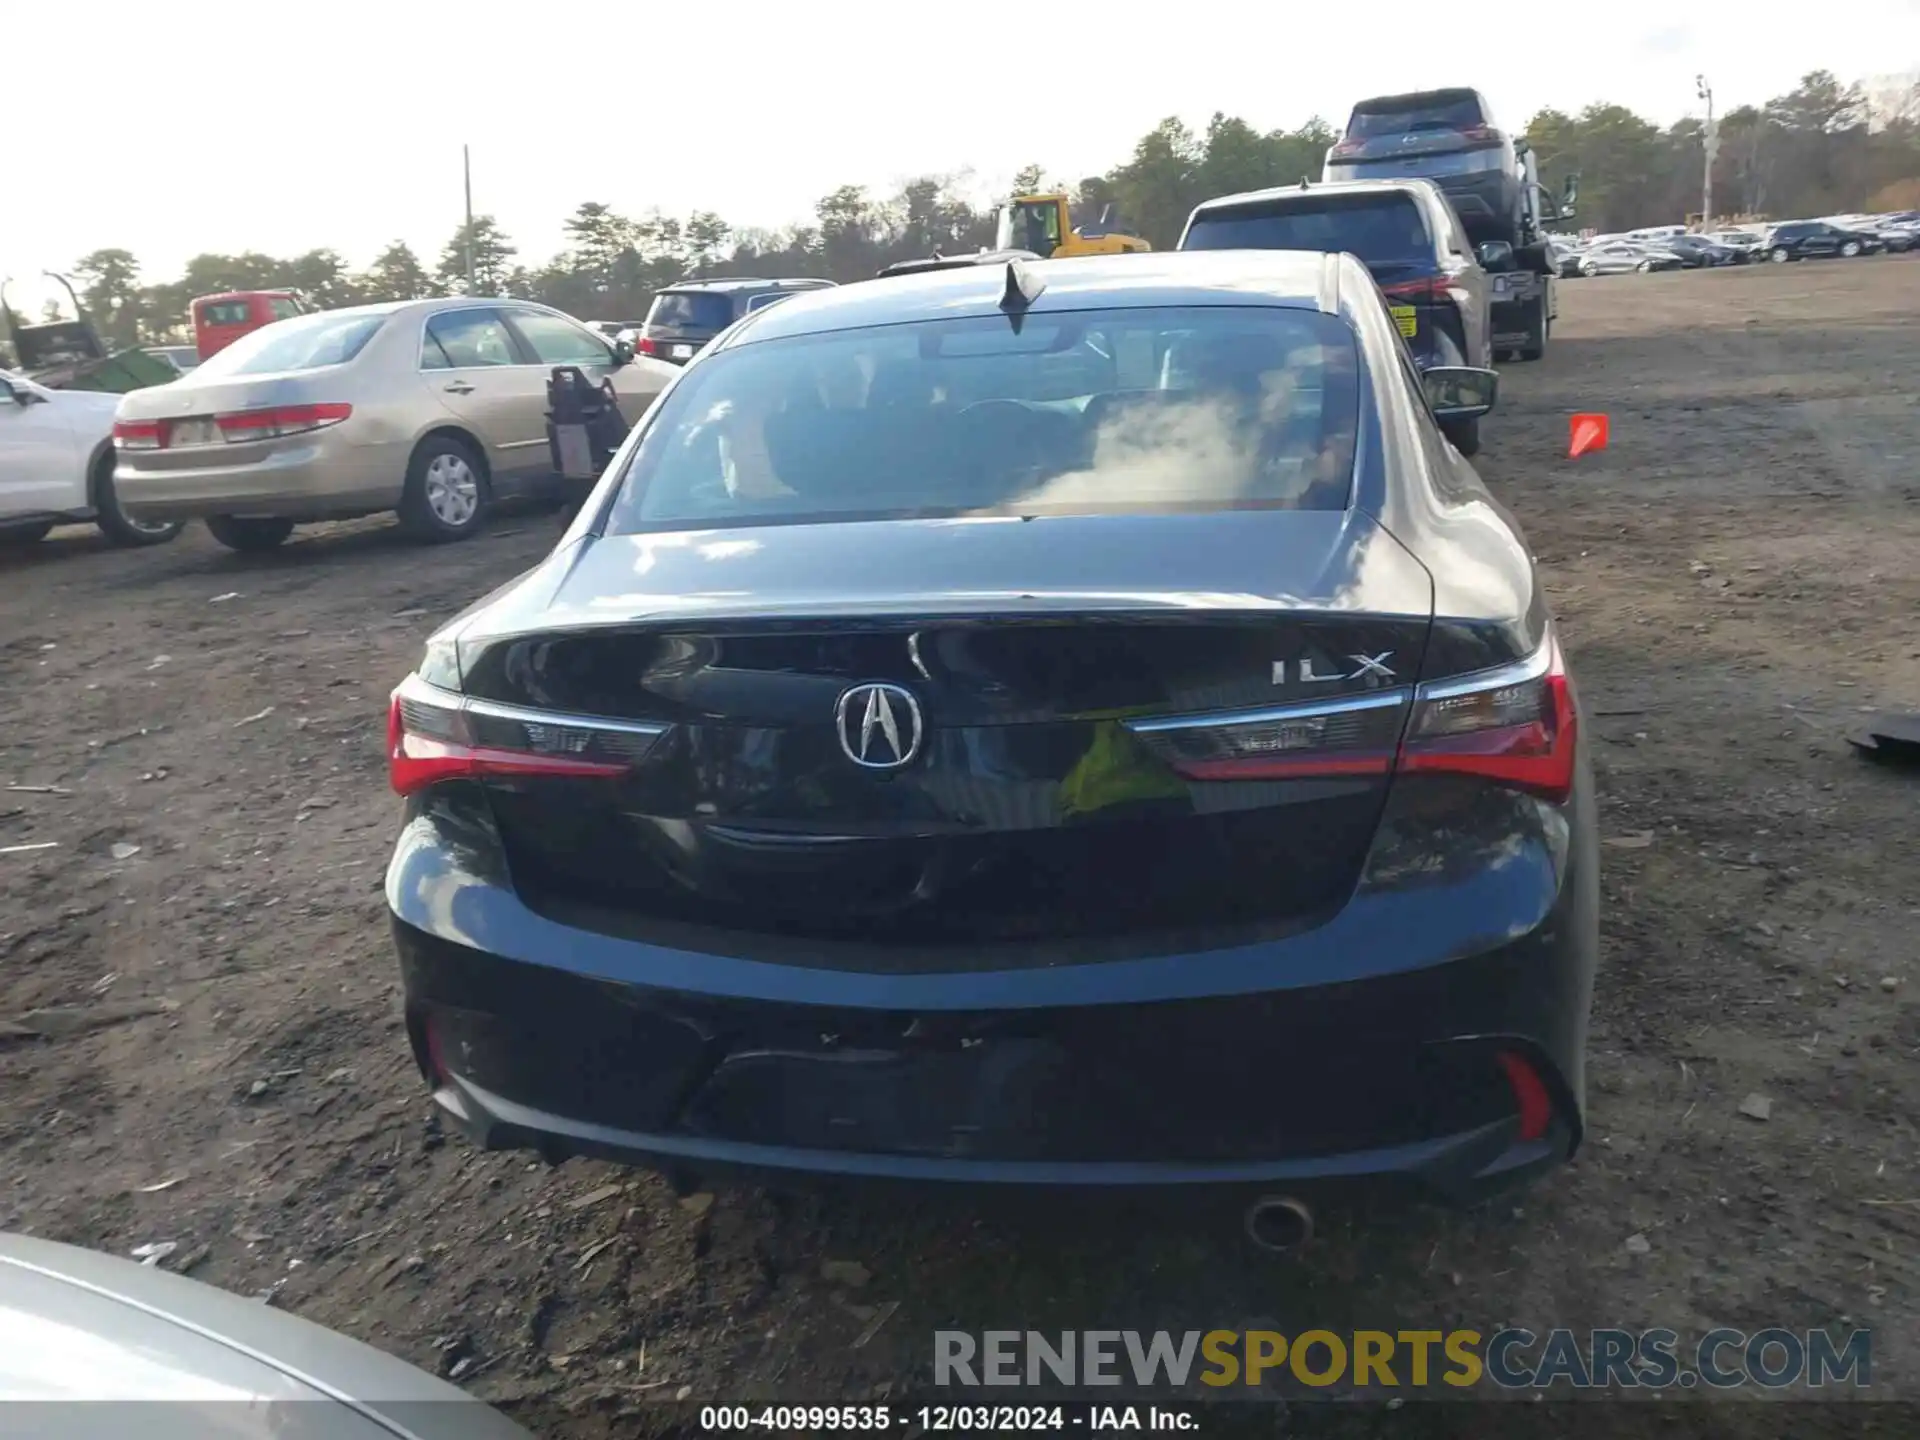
<point>1428,496</point>
<point>640,382</point>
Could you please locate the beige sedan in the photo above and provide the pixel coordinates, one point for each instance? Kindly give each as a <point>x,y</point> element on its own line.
<point>431,408</point>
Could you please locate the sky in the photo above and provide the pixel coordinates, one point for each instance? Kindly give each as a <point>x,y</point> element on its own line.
<point>203,125</point>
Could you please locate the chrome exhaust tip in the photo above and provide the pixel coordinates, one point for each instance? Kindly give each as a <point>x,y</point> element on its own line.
<point>1279,1223</point>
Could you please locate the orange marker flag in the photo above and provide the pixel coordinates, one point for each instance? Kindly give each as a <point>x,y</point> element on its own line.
<point>1586,432</point>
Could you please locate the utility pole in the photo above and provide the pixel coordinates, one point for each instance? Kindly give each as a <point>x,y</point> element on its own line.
<point>1711,144</point>
<point>467,171</point>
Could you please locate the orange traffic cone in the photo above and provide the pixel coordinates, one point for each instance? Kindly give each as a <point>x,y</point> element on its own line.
<point>1586,432</point>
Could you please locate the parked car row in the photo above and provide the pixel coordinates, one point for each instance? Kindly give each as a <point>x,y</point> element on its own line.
<point>1677,248</point>
<point>433,409</point>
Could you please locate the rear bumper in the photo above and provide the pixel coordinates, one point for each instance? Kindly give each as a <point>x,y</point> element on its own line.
<point>307,479</point>
<point>1368,1049</point>
<point>664,347</point>
<point>1461,1168</point>
<point>1481,196</point>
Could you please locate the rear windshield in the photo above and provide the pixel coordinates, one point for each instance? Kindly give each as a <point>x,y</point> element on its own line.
<point>1089,412</point>
<point>1406,114</point>
<point>1380,228</point>
<point>306,342</point>
<point>227,312</point>
<point>691,310</point>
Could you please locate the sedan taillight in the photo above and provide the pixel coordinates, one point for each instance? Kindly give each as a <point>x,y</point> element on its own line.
<point>1435,288</point>
<point>434,735</point>
<point>278,420</point>
<point>136,434</point>
<point>1512,725</point>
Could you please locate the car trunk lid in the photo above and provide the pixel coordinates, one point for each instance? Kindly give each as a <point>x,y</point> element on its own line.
<point>177,426</point>
<point>902,767</point>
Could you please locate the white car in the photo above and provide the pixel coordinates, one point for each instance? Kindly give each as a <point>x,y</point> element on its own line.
<point>93,1347</point>
<point>1618,257</point>
<point>56,465</point>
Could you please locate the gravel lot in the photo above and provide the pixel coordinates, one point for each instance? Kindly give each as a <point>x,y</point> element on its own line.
<point>1736,578</point>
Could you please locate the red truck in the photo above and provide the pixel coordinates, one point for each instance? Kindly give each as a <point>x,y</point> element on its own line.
<point>219,320</point>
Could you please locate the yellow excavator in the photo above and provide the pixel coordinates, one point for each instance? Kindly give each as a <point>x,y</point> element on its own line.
<point>1042,224</point>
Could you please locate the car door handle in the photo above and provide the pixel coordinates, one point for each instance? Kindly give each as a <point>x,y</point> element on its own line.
<point>459,387</point>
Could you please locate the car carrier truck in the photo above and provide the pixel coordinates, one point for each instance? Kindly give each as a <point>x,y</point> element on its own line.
<point>1526,297</point>
<point>1492,180</point>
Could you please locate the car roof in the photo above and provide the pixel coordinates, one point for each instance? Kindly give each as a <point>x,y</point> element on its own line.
<point>1410,185</point>
<point>1297,279</point>
<point>432,306</point>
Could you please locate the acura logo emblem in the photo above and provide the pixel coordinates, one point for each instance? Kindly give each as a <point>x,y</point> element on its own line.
<point>880,726</point>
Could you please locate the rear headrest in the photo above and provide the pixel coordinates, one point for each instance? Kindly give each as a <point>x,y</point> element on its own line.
<point>1235,360</point>
<point>904,382</point>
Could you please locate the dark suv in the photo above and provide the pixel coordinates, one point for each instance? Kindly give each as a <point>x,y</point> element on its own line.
<point>1804,239</point>
<point>684,317</point>
<point>1407,236</point>
<point>1447,136</point>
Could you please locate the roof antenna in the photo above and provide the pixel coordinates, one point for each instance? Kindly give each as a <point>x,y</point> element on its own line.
<point>1305,183</point>
<point>1023,288</point>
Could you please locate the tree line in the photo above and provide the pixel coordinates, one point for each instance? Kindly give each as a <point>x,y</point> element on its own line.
<point>1819,149</point>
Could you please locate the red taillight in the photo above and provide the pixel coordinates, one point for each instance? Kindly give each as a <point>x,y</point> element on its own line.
<point>278,420</point>
<point>1530,1096</point>
<point>435,735</point>
<point>1479,132</point>
<point>1428,287</point>
<point>645,346</point>
<point>437,1071</point>
<point>1347,148</point>
<point>136,434</point>
<point>1514,725</point>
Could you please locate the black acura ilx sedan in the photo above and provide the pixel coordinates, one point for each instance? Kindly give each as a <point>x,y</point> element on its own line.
<point>1071,723</point>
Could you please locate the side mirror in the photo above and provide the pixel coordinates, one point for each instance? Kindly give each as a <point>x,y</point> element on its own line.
<point>1569,193</point>
<point>20,395</point>
<point>1459,392</point>
<point>1495,255</point>
<point>622,353</point>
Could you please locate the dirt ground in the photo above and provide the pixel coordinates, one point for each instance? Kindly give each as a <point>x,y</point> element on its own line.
<point>1736,579</point>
